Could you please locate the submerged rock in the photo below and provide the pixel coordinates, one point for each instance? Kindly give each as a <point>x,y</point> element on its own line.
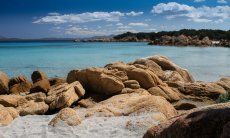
<point>210,121</point>
<point>4,80</point>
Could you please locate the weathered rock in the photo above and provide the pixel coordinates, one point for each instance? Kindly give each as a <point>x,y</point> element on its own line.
<point>133,84</point>
<point>127,90</point>
<point>146,78</point>
<point>133,103</point>
<point>225,83</point>
<point>56,81</point>
<point>64,95</point>
<point>184,105</point>
<point>206,41</point>
<point>19,85</point>
<point>87,103</point>
<point>68,116</point>
<point>97,80</point>
<point>41,86</point>
<point>38,75</point>
<point>12,100</point>
<point>4,80</point>
<point>211,90</point>
<point>165,92</point>
<point>151,65</point>
<point>37,97</point>
<point>206,122</point>
<point>166,64</point>
<point>30,104</point>
<point>7,115</point>
<point>33,108</point>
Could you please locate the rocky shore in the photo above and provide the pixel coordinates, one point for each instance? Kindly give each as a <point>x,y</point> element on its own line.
<point>152,97</point>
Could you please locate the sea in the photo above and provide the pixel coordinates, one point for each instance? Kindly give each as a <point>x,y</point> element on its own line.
<point>56,59</point>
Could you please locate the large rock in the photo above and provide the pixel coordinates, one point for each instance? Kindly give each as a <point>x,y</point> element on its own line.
<point>133,84</point>
<point>4,80</point>
<point>225,83</point>
<point>38,75</point>
<point>64,95</point>
<point>26,105</point>
<point>41,86</point>
<point>211,90</point>
<point>207,122</point>
<point>166,64</point>
<point>33,108</point>
<point>166,92</point>
<point>67,116</point>
<point>19,85</point>
<point>56,81</point>
<point>146,78</point>
<point>137,102</point>
<point>98,80</point>
<point>7,115</point>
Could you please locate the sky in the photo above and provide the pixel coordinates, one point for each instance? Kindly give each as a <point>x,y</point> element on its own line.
<point>87,18</point>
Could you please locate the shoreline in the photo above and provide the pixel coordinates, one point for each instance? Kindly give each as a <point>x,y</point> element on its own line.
<point>129,97</point>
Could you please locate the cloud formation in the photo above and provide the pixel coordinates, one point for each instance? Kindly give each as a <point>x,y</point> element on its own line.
<point>81,18</point>
<point>132,13</point>
<point>83,31</point>
<point>138,24</point>
<point>222,1</point>
<point>200,14</point>
<point>56,18</point>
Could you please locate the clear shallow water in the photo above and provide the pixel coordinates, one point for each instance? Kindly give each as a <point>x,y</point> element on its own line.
<point>58,58</point>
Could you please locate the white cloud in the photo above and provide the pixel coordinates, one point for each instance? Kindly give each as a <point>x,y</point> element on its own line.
<point>53,14</point>
<point>200,14</point>
<point>119,24</point>
<point>83,31</point>
<point>81,18</point>
<point>133,13</point>
<point>222,1</point>
<point>199,0</point>
<point>171,7</point>
<point>139,24</point>
<point>123,27</point>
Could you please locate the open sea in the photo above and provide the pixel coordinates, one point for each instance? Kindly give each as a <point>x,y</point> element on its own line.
<point>58,58</point>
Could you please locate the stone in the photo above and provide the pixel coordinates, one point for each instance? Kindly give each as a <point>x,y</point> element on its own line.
<point>184,105</point>
<point>209,121</point>
<point>211,90</point>
<point>133,84</point>
<point>4,80</point>
<point>166,92</point>
<point>56,81</point>
<point>166,64</point>
<point>225,83</point>
<point>98,80</point>
<point>37,97</point>
<point>86,103</point>
<point>33,108</point>
<point>38,75</point>
<point>41,86</point>
<point>146,78</point>
<point>7,115</point>
<point>67,116</point>
<point>137,102</point>
<point>64,95</point>
<point>12,100</point>
<point>19,85</point>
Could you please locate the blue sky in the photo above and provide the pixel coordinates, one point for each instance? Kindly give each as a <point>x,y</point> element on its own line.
<point>85,18</point>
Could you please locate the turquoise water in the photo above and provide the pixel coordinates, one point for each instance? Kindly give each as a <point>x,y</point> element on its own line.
<point>58,58</point>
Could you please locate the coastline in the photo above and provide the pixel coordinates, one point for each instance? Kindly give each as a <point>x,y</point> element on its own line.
<point>135,95</point>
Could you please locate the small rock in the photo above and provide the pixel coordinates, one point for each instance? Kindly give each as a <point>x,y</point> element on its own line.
<point>37,76</point>
<point>41,86</point>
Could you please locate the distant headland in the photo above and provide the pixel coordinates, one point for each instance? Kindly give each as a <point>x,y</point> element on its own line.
<point>184,37</point>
